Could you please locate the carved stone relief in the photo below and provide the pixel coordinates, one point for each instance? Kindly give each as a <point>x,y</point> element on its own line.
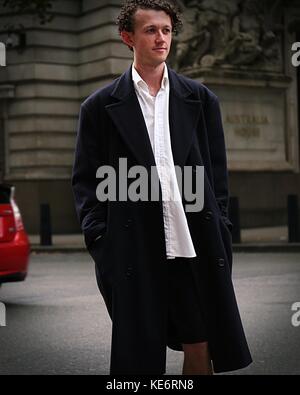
<point>230,34</point>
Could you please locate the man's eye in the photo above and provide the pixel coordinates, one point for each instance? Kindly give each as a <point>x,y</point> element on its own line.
<point>167,31</point>
<point>151,31</point>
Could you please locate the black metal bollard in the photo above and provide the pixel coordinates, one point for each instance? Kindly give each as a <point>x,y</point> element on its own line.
<point>234,216</point>
<point>293,219</point>
<point>45,225</point>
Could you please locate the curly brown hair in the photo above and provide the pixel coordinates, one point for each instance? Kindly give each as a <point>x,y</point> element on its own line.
<point>125,20</point>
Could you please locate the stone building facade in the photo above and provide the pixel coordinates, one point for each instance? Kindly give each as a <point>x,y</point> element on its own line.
<point>239,50</point>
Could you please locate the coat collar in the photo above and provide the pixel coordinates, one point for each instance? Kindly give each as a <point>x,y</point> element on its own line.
<point>129,121</point>
<point>125,86</point>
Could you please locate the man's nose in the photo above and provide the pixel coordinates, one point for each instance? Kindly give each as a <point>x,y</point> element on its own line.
<point>159,36</point>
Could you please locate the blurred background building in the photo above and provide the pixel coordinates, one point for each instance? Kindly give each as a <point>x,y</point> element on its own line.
<point>241,49</point>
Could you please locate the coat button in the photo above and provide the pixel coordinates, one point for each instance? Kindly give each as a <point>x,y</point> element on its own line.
<point>221,262</point>
<point>208,215</point>
<point>129,271</point>
<point>128,223</point>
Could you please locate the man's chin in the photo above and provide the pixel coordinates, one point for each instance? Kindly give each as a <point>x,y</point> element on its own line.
<point>159,63</point>
<point>160,59</point>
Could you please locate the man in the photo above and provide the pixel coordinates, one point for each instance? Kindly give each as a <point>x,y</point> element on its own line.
<point>164,272</point>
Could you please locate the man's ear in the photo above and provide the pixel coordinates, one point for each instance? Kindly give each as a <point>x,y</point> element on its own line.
<point>127,38</point>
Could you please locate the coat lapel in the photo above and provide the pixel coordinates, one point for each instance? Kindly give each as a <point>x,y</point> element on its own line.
<point>129,121</point>
<point>183,117</point>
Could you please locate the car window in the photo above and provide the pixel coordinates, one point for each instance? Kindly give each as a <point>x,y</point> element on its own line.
<point>4,195</point>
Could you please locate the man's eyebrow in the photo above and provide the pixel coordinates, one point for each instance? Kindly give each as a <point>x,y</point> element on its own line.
<point>148,26</point>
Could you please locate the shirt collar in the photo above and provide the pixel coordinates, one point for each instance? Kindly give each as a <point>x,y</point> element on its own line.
<point>140,83</point>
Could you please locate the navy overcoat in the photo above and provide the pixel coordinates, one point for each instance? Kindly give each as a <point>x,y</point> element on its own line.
<point>130,257</point>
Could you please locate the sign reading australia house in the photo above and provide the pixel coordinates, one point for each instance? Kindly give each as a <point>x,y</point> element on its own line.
<point>257,123</point>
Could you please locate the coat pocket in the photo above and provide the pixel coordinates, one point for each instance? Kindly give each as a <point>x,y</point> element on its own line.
<point>227,239</point>
<point>96,250</point>
<point>227,223</point>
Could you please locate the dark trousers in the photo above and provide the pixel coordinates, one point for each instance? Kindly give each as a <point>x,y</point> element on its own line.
<point>186,323</point>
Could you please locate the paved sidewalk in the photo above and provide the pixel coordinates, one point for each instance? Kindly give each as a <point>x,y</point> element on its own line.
<point>61,243</point>
<point>256,240</point>
<point>265,235</point>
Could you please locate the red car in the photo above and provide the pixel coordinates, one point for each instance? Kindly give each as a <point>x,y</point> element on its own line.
<point>14,242</point>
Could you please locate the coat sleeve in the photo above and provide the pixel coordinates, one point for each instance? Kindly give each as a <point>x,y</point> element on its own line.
<point>218,155</point>
<point>90,154</point>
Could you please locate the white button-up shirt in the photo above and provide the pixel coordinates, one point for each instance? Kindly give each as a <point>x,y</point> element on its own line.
<point>156,114</point>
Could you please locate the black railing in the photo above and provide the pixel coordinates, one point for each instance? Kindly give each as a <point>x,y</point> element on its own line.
<point>45,225</point>
<point>293,219</point>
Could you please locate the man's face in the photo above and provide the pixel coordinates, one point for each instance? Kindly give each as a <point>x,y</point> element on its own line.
<point>152,37</point>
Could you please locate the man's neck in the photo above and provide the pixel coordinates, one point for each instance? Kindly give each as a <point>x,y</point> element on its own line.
<point>151,75</point>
